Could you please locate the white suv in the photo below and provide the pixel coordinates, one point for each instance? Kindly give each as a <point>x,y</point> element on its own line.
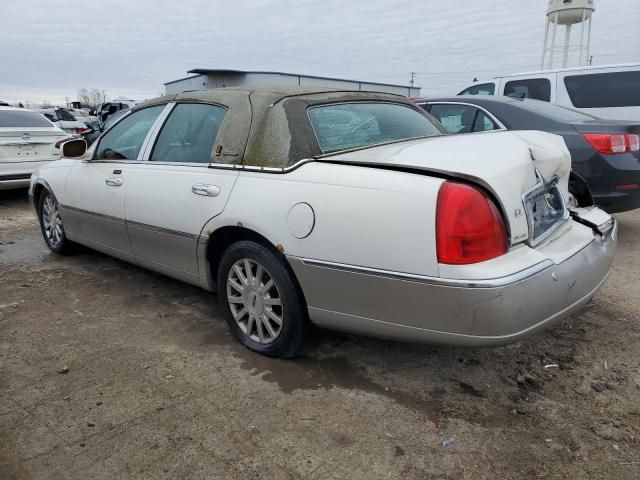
<point>606,91</point>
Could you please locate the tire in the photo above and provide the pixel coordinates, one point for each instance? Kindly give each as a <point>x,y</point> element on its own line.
<point>51,225</point>
<point>253,305</point>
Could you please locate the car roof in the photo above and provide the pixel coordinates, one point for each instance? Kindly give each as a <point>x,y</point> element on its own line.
<point>478,99</point>
<point>273,94</point>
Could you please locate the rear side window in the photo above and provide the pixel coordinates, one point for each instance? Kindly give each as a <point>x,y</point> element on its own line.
<point>125,139</point>
<point>537,88</point>
<point>458,118</point>
<point>63,114</point>
<point>353,125</point>
<point>22,119</point>
<point>604,90</point>
<point>189,134</point>
<point>483,89</point>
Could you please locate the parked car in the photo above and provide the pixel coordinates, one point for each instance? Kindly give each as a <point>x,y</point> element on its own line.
<point>83,116</point>
<point>26,142</point>
<point>611,91</point>
<point>63,119</point>
<point>96,129</point>
<point>104,111</point>
<point>605,153</point>
<point>353,210</point>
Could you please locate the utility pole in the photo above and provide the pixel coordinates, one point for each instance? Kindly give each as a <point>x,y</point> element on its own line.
<point>413,76</point>
<point>66,99</point>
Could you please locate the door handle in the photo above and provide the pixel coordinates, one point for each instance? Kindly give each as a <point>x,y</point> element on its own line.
<point>113,181</point>
<point>207,190</point>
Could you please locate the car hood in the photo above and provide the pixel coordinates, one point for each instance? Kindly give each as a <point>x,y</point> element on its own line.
<point>504,163</point>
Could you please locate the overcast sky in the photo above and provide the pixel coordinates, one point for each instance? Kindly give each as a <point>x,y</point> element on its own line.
<point>131,47</point>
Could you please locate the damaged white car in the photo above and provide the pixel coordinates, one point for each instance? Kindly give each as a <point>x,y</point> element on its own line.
<point>350,210</point>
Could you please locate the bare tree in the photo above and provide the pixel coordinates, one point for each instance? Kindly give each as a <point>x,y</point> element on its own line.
<point>91,98</point>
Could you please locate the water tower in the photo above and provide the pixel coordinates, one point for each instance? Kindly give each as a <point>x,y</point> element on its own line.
<point>568,13</point>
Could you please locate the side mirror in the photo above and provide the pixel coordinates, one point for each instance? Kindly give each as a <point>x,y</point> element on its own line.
<point>74,148</point>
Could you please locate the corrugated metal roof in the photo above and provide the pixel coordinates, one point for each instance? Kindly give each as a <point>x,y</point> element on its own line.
<point>206,71</point>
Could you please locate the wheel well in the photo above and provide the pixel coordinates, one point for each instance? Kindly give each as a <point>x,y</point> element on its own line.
<point>223,237</point>
<point>37,191</point>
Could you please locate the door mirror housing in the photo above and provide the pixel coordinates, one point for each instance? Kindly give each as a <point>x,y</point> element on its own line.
<point>74,148</point>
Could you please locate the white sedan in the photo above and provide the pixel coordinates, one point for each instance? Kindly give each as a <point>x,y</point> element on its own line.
<point>27,141</point>
<point>350,210</point>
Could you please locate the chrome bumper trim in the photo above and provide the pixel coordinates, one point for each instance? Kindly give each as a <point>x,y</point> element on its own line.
<point>449,282</point>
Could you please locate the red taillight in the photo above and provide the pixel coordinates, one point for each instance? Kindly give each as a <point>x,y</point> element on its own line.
<point>613,143</point>
<point>469,228</point>
<point>81,130</point>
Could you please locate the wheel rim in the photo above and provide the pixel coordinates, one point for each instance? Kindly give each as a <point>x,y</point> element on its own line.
<point>51,221</point>
<point>254,301</point>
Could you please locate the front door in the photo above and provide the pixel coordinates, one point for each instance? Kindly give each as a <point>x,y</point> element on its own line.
<point>94,204</point>
<point>172,195</point>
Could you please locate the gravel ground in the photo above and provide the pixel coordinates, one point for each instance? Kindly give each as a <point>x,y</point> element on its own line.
<point>110,371</point>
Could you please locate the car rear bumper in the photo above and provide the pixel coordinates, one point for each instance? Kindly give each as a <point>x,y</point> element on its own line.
<point>473,313</point>
<point>17,174</point>
<point>620,201</point>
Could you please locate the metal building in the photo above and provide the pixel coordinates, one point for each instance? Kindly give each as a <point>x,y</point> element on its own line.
<point>205,78</point>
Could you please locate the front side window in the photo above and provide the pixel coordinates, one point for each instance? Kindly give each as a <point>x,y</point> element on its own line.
<point>189,134</point>
<point>354,125</point>
<point>458,118</point>
<point>537,88</point>
<point>482,89</point>
<point>125,139</point>
<point>604,90</point>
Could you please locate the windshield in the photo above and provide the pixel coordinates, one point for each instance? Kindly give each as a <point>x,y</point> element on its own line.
<point>556,112</point>
<point>22,119</point>
<point>353,125</point>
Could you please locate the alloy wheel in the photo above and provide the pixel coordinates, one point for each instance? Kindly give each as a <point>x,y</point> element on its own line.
<point>51,221</point>
<point>254,301</point>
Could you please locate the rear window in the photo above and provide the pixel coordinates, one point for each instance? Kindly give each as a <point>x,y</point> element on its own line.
<point>537,88</point>
<point>353,125</point>
<point>556,112</point>
<point>604,90</point>
<point>62,114</point>
<point>22,119</point>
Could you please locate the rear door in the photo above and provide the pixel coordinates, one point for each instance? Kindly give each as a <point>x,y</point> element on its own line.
<point>172,195</point>
<point>93,207</point>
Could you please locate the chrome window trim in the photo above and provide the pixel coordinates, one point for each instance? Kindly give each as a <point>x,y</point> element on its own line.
<point>255,168</point>
<point>152,134</point>
<point>467,104</point>
<point>449,282</point>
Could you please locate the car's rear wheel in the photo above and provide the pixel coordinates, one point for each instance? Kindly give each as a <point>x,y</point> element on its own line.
<point>262,305</point>
<point>51,224</point>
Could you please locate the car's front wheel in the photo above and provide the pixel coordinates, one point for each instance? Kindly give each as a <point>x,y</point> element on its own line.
<point>51,224</point>
<point>262,305</point>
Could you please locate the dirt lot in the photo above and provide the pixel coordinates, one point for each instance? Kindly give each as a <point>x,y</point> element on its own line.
<point>157,388</point>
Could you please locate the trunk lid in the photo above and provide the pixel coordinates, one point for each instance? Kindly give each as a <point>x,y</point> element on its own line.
<point>31,144</point>
<point>519,169</point>
<point>607,126</point>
